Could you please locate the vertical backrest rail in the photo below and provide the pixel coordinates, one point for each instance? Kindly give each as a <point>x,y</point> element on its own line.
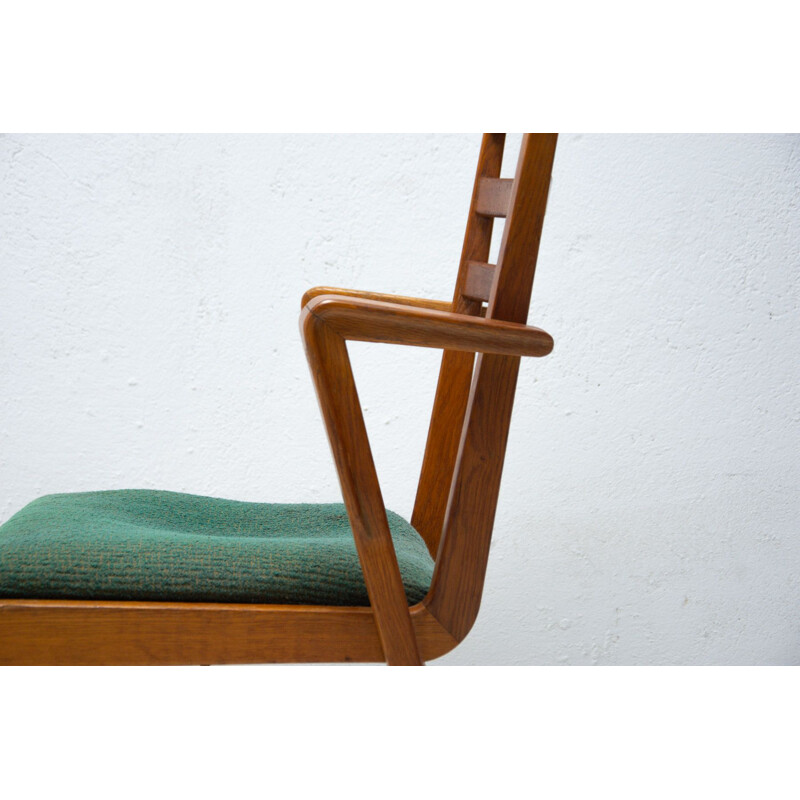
<point>455,593</point>
<point>455,373</point>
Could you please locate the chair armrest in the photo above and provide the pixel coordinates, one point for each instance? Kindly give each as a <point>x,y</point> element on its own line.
<point>367,320</point>
<point>417,302</point>
<point>327,321</point>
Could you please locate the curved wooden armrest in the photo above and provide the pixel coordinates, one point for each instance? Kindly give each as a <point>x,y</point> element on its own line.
<point>327,322</point>
<point>416,302</point>
<point>368,320</point>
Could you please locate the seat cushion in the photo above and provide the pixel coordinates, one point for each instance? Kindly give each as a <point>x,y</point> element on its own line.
<point>151,545</point>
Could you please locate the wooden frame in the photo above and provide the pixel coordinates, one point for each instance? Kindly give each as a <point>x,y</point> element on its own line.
<point>459,483</point>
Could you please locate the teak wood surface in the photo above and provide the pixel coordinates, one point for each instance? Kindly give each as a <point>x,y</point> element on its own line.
<point>483,334</point>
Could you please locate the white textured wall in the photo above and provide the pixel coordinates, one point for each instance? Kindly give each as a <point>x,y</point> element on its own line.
<point>149,295</point>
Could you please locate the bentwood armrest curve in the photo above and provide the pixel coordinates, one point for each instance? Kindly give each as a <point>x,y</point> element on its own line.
<point>418,302</point>
<point>365,320</point>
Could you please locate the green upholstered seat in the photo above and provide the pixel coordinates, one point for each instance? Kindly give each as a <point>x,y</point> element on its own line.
<point>151,545</point>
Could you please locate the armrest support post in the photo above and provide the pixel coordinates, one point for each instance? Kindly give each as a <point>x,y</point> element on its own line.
<point>329,318</point>
<point>344,421</point>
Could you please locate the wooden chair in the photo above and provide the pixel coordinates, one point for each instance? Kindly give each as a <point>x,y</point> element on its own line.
<point>458,487</point>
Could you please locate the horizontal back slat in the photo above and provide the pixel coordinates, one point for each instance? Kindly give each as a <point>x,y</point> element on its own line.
<point>494,197</point>
<point>478,283</point>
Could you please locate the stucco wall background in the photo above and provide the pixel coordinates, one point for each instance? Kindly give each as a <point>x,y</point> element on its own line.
<point>149,296</point>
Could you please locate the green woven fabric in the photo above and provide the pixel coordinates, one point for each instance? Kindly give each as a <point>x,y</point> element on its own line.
<point>149,545</point>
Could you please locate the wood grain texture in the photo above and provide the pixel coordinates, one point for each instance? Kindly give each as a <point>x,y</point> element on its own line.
<point>455,373</point>
<point>371,321</point>
<point>347,434</point>
<point>416,302</point>
<point>84,632</point>
<point>458,578</point>
<point>479,281</point>
<point>457,586</point>
<point>494,197</point>
<point>519,248</point>
<point>449,408</point>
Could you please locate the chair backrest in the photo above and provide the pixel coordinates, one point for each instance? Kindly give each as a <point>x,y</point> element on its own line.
<point>460,479</point>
